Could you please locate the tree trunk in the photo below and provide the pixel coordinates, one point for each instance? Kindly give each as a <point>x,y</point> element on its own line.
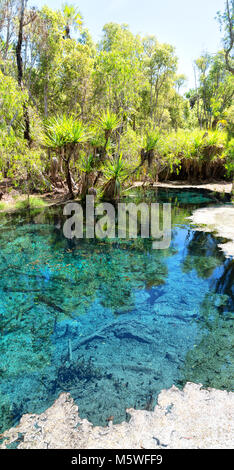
<point>19,44</point>
<point>46,98</point>
<point>68,179</point>
<point>27,124</point>
<point>19,62</point>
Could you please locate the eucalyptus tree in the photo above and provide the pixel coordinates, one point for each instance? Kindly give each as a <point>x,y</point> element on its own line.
<point>59,73</point>
<point>214,91</point>
<point>118,72</point>
<point>226,21</point>
<point>11,116</point>
<point>160,66</point>
<point>8,11</point>
<point>24,18</point>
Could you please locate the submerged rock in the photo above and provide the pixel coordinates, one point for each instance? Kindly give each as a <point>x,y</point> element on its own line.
<point>191,418</point>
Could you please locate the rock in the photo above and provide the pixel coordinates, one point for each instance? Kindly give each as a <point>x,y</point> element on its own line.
<point>220,220</point>
<point>221,300</point>
<point>191,418</point>
<point>132,331</point>
<point>171,357</point>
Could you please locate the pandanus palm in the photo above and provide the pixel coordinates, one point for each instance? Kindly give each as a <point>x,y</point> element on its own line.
<point>150,144</point>
<point>150,151</point>
<point>114,172</point>
<point>87,174</point>
<point>64,134</point>
<point>72,18</point>
<point>108,122</point>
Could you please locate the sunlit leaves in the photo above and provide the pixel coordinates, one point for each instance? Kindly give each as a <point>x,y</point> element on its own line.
<point>64,130</point>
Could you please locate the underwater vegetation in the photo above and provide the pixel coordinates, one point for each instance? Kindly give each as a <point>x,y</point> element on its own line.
<point>213,356</point>
<point>111,321</point>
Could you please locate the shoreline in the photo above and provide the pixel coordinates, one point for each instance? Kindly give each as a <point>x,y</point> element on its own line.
<point>219,220</point>
<point>192,418</point>
<point>10,200</point>
<point>219,187</point>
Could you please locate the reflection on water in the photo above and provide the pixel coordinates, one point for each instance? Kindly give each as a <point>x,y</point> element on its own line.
<point>112,322</point>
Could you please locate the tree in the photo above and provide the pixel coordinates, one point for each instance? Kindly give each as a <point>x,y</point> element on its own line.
<point>63,134</point>
<point>160,66</point>
<point>108,122</point>
<point>114,172</point>
<point>226,24</point>
<point>19,62</point>
<point>8,11</point>
<point>118,72</point>
<point>59,73</point>
<point>214,90</point>
<point>72,18</point>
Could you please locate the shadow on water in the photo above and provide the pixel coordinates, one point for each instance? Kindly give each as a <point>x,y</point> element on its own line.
<point>113,322</point>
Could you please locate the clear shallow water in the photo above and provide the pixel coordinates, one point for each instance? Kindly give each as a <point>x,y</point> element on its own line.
<point>113,322</point>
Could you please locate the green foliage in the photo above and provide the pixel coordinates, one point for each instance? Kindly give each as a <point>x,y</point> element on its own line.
<point>115,172</point>
<point>118,70</point>
<point>152,140</point>
<point>64,130</point>
<point>32,202</point>
<point>87,164</point>
<point>130,145</point>
<point>11,105</point>
<point>115,169</point>
<point>126,90</point>
<point>109,122</point>
<point>229,154</point>
<point>213,96</point>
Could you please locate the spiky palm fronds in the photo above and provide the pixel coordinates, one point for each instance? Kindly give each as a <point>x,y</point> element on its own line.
<point>87,164</point>
<point>114,172</point>
<point>108,122</point>
<point>64,130</point>
<point>151,140</point>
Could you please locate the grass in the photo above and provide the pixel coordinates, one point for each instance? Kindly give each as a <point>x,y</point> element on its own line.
<point>33,202</point>
<point>21,203</point>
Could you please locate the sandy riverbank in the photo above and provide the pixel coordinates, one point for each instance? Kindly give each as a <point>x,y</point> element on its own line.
<point>218,187</point>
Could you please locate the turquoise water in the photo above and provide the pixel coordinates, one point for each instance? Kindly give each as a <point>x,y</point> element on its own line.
<point>112,322</point>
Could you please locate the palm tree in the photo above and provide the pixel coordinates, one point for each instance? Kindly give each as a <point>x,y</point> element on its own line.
<point>114,172</point>
<point>64,134</point>
<point>72,17</point>
<point>150,144</point>
<point>87,175</point>
<point>108,122</point>
<point>151,153</point>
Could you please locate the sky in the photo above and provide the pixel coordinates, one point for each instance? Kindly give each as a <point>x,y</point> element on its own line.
<point>188,25</point>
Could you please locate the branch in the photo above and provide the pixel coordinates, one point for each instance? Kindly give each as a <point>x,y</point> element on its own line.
<point>230,68</point>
